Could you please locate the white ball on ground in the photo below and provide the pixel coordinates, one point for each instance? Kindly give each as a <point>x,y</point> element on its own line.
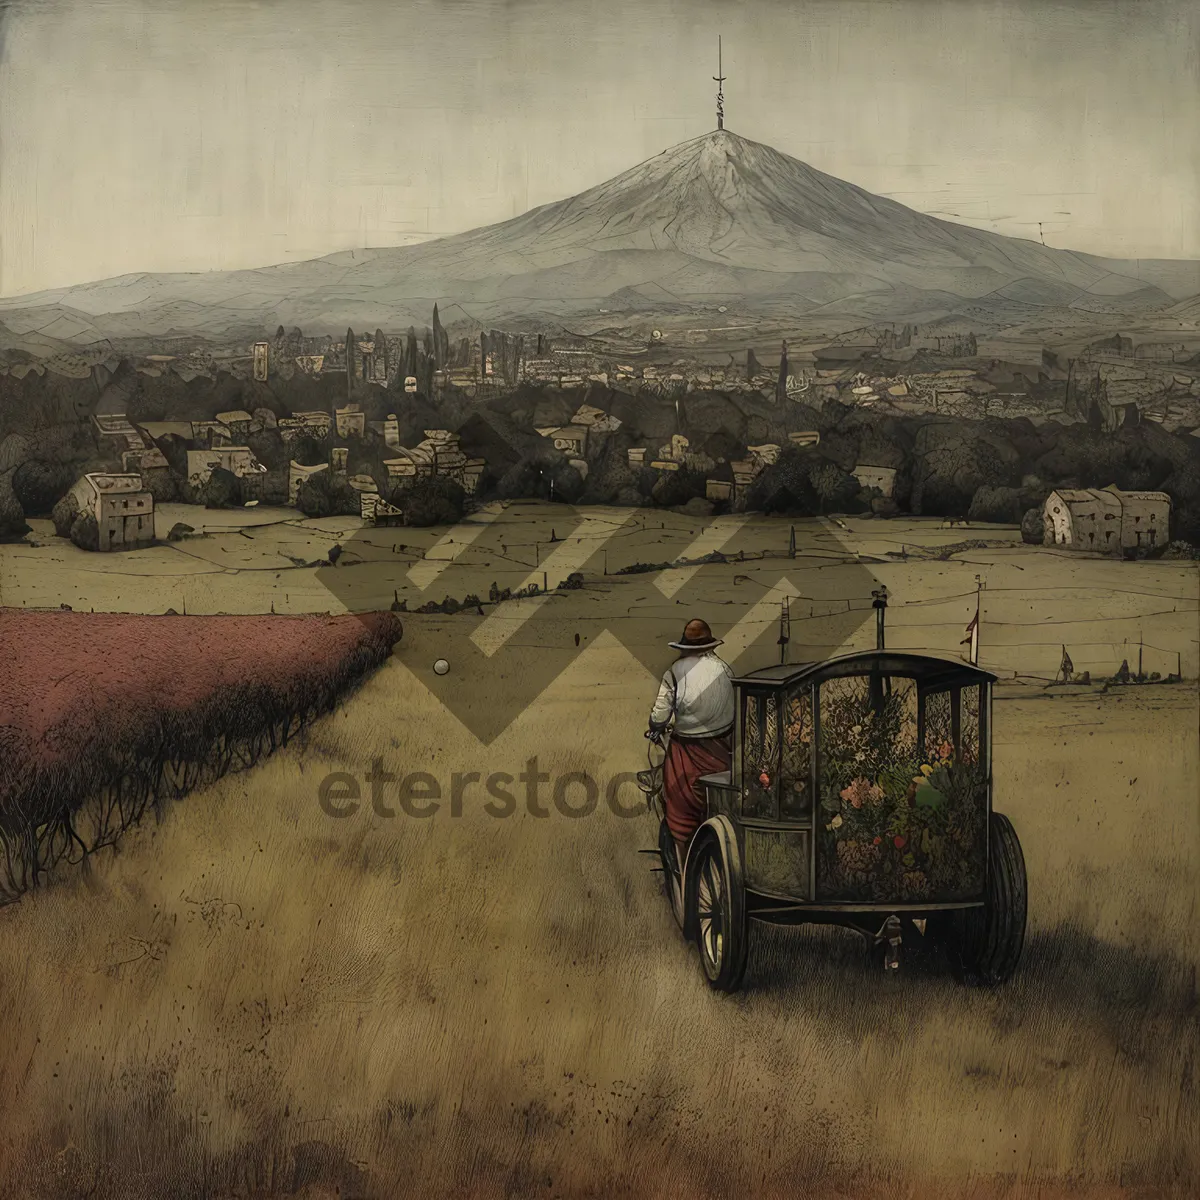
<point>441,667</point>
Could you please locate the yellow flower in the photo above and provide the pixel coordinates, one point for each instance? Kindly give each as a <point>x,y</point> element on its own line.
<point>835,823</point>
<point>926,769</point>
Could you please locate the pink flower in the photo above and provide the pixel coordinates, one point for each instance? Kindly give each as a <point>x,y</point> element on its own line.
<point>945,751</point>
<point>861,791</point>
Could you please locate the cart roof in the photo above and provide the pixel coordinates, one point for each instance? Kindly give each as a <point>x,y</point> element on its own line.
<point>927,669</point>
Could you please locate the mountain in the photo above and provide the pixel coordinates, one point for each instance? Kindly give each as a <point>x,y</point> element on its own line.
<point>718,220</point>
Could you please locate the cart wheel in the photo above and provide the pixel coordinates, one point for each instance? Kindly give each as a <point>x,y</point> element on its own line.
<point>987,942</point>
<point>672,875</point>
<point>716,905</point>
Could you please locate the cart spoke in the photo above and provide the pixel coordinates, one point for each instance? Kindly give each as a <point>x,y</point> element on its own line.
<point>712,943</point>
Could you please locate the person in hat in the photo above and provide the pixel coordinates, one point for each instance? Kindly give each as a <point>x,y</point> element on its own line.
<point>695,698</point>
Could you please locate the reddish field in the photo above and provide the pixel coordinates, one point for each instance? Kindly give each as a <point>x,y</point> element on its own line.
<point>102,714</point>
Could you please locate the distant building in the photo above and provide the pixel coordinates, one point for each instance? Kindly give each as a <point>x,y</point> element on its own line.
<point>297,474</point>
<point>310,364</point>
<point>238,460</point>
<point>315,424</point>
<point>572,439</point>
<point>1106,520</point>
<point>472,473</point>
<point>378,511</point>
<point>806,437</point>
<point>115,431</point>
<point>142,460</point>
<point>745,471</point>
<point>124,513</point>
<point>767,455</point>
<point>211,432</point>
<point>676,450</point>
<point>339,459</point>
<point>718,490</point>
<point>239,422</point>
<point>350,421</point>
<point>439,454</point>
<point>883,478</point>
<point>637,456</point>
<point>406,469</point>
<point>596,419</point>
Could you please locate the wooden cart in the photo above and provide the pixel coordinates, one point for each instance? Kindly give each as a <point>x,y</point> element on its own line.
<point>860,794</point>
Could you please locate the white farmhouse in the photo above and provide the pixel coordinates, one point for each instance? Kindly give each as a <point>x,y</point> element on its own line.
<point>1106,520</point>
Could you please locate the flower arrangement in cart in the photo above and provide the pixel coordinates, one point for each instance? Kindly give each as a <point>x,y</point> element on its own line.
<point>897,823</point>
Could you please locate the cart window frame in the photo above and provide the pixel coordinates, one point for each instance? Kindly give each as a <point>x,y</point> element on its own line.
<point>756,803</point>
<point>806,693</point>
<point>954,693</point>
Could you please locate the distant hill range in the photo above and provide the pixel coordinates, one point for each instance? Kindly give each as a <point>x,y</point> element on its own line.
<point>716,221</point>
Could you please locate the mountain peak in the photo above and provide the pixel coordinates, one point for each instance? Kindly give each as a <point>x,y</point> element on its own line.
<point>717,216</point>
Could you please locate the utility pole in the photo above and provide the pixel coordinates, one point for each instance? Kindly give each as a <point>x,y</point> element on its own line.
<point>785,629</point>
<point>879,599</point>
<point>719,79</point>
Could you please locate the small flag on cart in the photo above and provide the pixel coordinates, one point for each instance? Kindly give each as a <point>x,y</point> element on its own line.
<point>1066,667</point>
<point>972,638</point>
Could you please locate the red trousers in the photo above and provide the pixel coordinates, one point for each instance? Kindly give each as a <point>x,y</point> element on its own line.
<point>688,759</point>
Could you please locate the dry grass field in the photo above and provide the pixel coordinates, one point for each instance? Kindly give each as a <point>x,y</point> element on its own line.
<point>254,998</point>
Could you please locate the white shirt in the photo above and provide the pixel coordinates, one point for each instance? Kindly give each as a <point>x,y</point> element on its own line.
<point>701,687</point>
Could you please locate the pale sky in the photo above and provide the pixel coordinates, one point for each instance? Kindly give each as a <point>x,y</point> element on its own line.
<point>191,135</point>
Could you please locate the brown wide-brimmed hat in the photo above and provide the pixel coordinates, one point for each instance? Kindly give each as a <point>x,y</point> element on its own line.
<point>696,636</point>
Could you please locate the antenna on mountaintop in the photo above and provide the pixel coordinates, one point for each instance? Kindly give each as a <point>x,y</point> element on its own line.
<point>719,79</point>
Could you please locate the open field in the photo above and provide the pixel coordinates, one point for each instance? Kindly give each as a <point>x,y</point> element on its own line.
<point>253,997</point>
<point>1036,599</point>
